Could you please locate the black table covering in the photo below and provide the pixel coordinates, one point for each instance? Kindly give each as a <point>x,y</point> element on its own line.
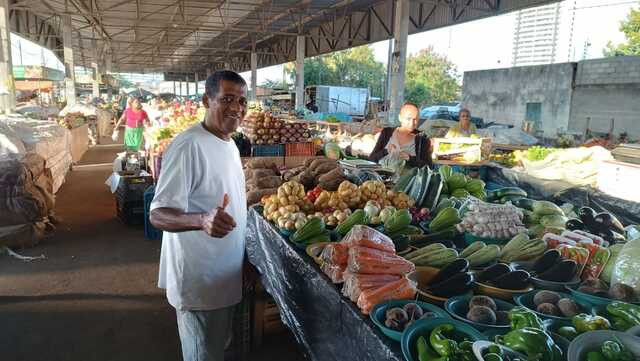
<point>328,325</point>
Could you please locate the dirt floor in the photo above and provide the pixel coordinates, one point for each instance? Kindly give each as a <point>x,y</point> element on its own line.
<point>95,295</point>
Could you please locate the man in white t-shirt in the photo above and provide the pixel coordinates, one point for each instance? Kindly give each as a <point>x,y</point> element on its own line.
<point>200,204</point>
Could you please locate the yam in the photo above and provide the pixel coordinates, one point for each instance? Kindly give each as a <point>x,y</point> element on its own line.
<point>248,173</point>
<point>258,162</point>
<point>291,173</point>
<point>317,162</point>
<point>307,179</point>
<point>255,196</point>
<point>307,163</point>
<point>336,173</point>
<point>324,168</point>
<point>268,182</point>
<point>261,173</point>
<point>331,185</point>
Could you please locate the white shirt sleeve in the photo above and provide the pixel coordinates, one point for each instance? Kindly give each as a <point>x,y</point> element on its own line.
<point>175,179</point>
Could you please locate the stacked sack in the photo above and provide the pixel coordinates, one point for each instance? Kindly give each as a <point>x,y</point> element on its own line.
<point>365,260</point>
<point>261,178</point>
<point>263,128</point>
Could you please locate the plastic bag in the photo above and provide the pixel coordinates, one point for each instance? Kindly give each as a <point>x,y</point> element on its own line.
<point>355,283</point>
<point>335,253</point>
<point>402,289</point>
<point>368,237</point>
<point>334,271</point>
<point>627,268</point>
<point>114,135</point>
<point>374,261</point>
<point>392,161</point>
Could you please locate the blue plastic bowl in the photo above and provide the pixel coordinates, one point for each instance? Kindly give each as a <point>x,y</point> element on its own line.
<point>378,315</point>
<point>526,300</point>
<point>459,306</point>
<point>592,299</point>
<point>424,328</point>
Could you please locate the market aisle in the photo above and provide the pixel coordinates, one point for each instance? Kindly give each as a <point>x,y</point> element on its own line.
<point>95,296</point>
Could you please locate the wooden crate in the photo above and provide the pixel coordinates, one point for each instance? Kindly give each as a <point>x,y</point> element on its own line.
<point>266,316</point>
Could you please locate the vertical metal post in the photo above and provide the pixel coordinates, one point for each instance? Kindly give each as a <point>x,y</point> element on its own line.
<point>300,52</point>
<point>196,79</point>
<point>254,75</point>
<point>69,65</point>
<point>387,83</point>
<point>399,59</point>
<point>7,85</point>
<point>174,88</point>
<point>96,71</point>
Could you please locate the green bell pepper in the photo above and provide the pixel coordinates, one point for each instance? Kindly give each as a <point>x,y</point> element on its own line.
<point>584,322</point>
<point>465,351</point>
<point>425,353</point>
<point>492,357</point>
<point>520,317</point>
<point>440,343</point>
<point>567,332</point>
<point>615,351</point>
<point>595,356</point>
<point>534,342</point>
<point>624,315</point>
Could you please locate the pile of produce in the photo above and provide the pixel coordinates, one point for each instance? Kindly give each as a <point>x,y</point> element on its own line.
<point>312,231</point>
<point>503,276</point>
<point>433,255</point>
<point>288,207</point>
<point>553,267</point>
<point>603,225</point>
<point>483,310</point>
<point>421,185</point>
<point>551,303</point>
<point>493,221</point>
<point>263,128</point>
<point>323,172</point>
<point>444,343</point>
<point>459,185</point>
<point>617,291</point>
<point>400,318</point>
<point>365,260</point>
<point>451,280</point>
<point>611,350</point>
<point>74,120</point>
<point>261,179</point>
<point>521,248</point>
<point>478,253</point>
<point>529,337</point>
<point>182,117</point>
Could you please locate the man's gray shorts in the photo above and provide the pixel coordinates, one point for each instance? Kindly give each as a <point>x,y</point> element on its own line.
<point>204,334</point>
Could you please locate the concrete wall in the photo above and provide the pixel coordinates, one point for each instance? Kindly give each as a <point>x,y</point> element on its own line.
<point>607,89</point>
<point>501,95</point>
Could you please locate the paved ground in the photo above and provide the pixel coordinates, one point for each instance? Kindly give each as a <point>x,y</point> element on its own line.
<point>95,296</point>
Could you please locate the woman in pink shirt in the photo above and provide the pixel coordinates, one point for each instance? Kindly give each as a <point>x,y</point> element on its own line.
<point>136,119</point>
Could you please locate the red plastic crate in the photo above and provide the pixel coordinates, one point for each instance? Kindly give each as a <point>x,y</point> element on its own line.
<point>298,149</point>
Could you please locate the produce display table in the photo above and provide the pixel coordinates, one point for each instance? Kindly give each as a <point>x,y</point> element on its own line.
<point>79,142</point>
<point>325,323</point>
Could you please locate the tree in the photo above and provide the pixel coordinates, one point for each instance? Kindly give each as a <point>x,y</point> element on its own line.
<point>631,29</point>
<point>355,67</point>
<point>430,78</point>
<point>273,84</point>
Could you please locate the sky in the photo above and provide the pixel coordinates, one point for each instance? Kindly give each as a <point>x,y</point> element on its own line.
<point>467,45</point>
<point>469,48</point>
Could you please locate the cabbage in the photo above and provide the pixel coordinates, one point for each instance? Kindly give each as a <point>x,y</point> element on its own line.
<point>553,221</point>
<point>332,151</point>
<point>627,268</point>
<point>608,269</point>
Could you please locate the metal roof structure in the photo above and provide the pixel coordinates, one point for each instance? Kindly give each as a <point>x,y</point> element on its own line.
<point>181,37</point>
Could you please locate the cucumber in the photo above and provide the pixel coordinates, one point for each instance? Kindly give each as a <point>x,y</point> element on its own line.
<point>406,231</point>
<point>524,203</point>
<point>404,181</point>
<point>423,250</point>
<point>426,186</point>
<point>509,191</point>
<point>431,197</point>
<point>472,248</point>
<point>510,198</point>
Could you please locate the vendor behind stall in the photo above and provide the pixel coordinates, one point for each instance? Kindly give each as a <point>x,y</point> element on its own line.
<point>464,128</point>
<point>404,146</point>
<point>136,119</point>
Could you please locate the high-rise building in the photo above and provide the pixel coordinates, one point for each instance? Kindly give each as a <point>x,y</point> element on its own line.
<point>544,34</point>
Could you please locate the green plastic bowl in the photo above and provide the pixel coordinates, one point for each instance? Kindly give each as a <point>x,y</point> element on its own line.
<point>424,328</point>
<point>594,300</point>
<point>526,301</point>
<point>459,306</point>
<point>377,315</point>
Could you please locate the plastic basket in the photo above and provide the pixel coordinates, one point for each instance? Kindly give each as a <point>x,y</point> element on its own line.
<point>150,232</point>
<point>300,149</point>
<point>267,150</point>
<point>130,213</point>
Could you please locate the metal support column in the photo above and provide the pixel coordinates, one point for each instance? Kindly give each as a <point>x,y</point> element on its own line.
<point>97,77</point>
<point>196,79</point>
<point>7,85</point>
<point>107,69</point>
<point>174,88</point>
<point>254,75</point>
<point>209,72</point>
<point>300,52</point>
<point>387,82</point>
<point>69,65</point>
<point>398,59</point>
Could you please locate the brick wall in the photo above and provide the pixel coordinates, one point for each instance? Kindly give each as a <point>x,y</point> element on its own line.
<point>618,70</point>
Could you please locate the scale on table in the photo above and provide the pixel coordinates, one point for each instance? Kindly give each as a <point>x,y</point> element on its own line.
<point>134,162</point>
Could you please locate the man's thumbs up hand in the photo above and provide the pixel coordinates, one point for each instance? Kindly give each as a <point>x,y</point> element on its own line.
<point>218,223</point>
